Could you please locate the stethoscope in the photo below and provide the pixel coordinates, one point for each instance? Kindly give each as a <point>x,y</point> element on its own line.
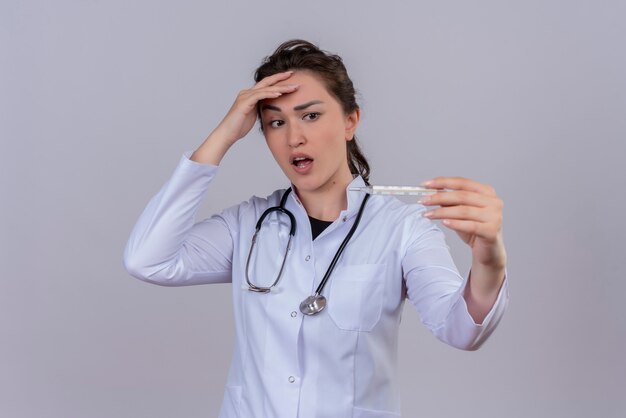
<point>316,302</point>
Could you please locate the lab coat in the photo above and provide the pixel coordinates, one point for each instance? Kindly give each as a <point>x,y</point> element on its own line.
<point>341,362</point>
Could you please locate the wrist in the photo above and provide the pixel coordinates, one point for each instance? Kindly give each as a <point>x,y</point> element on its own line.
<point>490,257</point>
<point>492,265</point>
<point>212,150</point>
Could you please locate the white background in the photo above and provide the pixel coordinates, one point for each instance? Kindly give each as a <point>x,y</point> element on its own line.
<point>99,99</point>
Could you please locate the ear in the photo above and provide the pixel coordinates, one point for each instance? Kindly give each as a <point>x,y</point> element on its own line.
<point>352,120</point>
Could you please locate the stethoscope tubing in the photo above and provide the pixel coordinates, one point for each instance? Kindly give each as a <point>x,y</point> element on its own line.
<point>292,232</point>
<point>331,267</point>
<point>315,303</point>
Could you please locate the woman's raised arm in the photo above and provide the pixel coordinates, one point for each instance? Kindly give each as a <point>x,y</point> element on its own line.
<point>240,118</point>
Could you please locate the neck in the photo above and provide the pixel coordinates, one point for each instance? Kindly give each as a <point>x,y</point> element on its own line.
<point>326,203</point>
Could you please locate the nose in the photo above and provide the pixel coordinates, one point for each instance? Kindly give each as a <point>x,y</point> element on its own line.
<point>295,136</point>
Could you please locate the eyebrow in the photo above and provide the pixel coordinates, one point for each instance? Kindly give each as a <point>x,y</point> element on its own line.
<point>299,107</point>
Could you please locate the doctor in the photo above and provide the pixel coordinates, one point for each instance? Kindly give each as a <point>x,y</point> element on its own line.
<point>371,252</point>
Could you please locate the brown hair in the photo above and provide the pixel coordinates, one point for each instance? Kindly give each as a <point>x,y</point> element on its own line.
<point>298,54</point>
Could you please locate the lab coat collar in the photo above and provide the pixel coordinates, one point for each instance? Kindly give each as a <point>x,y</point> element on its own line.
<point>355,198</point>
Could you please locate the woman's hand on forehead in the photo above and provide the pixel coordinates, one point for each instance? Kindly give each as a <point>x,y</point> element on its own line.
<point>242,115</point>
<point>272,79</point>
<point>240,118</point>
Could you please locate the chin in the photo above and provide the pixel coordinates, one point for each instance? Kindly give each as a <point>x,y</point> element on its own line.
<point>304,185</point>
<point>307,184</point>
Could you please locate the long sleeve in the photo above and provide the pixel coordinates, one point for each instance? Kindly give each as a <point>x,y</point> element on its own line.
<point>167,247</point>
<point>436,289</point>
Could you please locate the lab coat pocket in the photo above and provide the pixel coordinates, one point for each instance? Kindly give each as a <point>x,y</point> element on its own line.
<point>230,405</point>
<point>356,296</point>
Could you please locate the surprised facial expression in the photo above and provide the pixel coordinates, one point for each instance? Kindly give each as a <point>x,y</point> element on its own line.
<point>307,131</point>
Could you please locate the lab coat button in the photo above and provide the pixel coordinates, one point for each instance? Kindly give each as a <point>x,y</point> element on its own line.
<point>294,314</point>
<point>345,218</point>
<point>308,257</point>
<point>292,379</point>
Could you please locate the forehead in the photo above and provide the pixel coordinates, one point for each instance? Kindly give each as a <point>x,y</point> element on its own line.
<point>311,88</point>
<point>304,77</point>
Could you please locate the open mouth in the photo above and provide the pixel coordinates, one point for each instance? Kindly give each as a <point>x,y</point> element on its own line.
<point>301,162</point>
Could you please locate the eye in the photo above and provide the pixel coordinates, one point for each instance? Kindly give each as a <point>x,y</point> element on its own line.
<point>312,115</point>
<point>275,123</point>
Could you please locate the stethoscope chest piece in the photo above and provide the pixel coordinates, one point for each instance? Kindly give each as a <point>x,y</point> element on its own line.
<point>313,304</point>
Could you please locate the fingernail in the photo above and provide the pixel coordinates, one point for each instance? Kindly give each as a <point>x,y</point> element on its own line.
<point>427,183</point>
<point>428,214</point>
<point>424,201</point>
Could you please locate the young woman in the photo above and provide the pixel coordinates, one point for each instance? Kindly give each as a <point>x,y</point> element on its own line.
<point>318,292</point>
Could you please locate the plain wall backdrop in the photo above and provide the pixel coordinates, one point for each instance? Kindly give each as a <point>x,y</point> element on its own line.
<point>99,99</point>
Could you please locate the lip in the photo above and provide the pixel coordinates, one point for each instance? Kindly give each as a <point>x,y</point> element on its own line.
<point>304,169</point>
<point>298,155</point>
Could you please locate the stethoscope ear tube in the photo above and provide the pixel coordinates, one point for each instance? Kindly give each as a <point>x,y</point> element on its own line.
<point>292,231</point>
